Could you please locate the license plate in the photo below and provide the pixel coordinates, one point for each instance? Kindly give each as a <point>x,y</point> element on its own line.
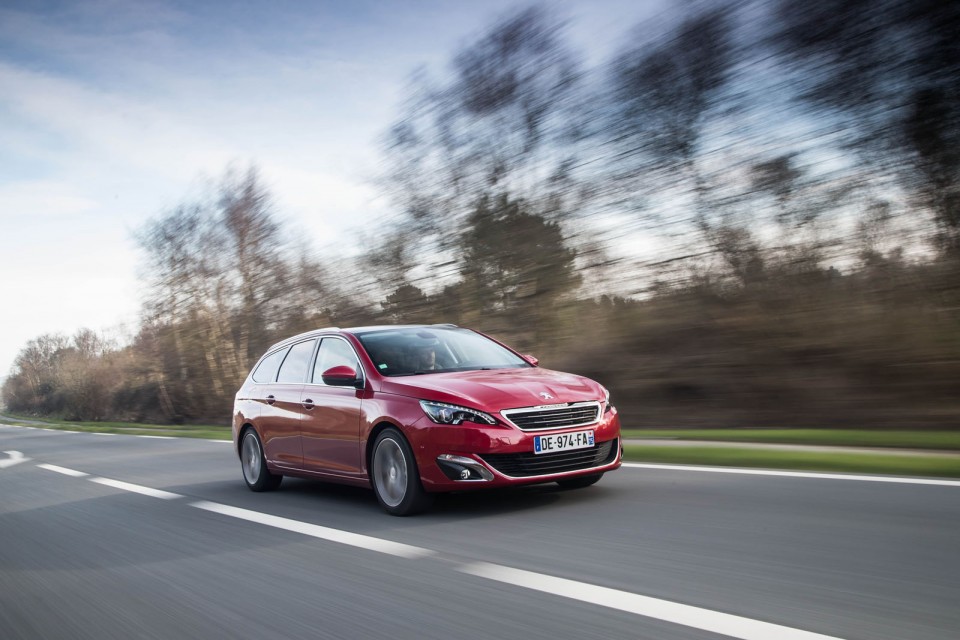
<point>563,442</point>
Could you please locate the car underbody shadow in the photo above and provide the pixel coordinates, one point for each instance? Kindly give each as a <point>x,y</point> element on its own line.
<point>348,502</point>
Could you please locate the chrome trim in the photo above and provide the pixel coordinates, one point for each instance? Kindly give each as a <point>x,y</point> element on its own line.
<point>506,413</point>
<point>313,333</point>
<point>485,474</point>
<point>602,469</point>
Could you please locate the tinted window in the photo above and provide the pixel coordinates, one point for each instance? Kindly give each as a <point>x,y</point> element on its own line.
<point>416,350</point>
<point>267,371</point>
<point>334,353</point>
<point>294,368</point>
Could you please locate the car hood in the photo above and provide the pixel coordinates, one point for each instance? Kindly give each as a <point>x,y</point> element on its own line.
<point>497,389</point>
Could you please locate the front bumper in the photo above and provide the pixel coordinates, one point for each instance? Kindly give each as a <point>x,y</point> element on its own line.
<point>505,454</point>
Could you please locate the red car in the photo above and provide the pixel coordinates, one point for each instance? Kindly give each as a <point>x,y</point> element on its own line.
<point>416,410</point>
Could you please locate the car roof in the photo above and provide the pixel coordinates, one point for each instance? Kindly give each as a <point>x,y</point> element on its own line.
<point>387,327</point>
<point>353,330</point>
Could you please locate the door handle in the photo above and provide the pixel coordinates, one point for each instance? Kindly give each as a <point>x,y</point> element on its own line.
<point>307,404</point>
<point>271,399</point>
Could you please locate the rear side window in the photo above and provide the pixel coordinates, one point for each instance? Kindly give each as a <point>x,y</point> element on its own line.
<point>295,365</point>
<point>267,371</point>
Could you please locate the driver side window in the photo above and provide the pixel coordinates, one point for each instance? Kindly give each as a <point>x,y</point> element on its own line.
<point>334,353</point>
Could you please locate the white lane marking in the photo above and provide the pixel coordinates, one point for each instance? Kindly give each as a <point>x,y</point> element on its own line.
<point>63,470</point>
<point>686,615</point>
<point>795,474</point>
<point>136,488</point>
<point>682,614</point>
<point>67,431</point>
<point>100,433</point>
<point>317,531</point>
<point>15,458</point>
<point>223,441</point>
<point>158,437</point>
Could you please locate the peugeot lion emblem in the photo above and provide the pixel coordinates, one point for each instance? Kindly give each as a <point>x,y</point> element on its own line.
<point>545,395</point>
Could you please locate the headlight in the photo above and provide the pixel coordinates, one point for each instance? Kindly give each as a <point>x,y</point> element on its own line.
<point>443,413</point>
<point>606,399</point>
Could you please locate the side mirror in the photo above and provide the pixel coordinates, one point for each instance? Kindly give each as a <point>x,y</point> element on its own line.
<point>342,376</point>
<point>531,359</point>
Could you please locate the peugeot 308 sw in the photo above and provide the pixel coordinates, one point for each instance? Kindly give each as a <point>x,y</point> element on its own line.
<point>415,410</point>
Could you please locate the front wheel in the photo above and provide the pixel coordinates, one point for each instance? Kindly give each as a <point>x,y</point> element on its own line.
<point>394,475</point>
<point>579,483</point>
<point>254,465</point>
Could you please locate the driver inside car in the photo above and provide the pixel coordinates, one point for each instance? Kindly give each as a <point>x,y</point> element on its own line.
<point>426,359</point>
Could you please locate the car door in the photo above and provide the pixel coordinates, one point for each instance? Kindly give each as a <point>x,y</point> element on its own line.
<point>280,417</point>
<point>330,430</point>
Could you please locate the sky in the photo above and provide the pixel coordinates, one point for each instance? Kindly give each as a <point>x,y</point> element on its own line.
<point>113,111</point>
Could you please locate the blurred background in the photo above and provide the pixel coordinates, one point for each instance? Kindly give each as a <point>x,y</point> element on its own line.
<point>737,214</point>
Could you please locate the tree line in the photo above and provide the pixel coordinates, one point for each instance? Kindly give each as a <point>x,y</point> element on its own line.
<point>749,214</point>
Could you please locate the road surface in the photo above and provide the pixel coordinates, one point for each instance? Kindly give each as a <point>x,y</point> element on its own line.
<point>134,537</point>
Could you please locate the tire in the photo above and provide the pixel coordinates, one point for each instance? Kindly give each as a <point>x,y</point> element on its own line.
<point>254,465</point>
<point>579,483</point>
<point>395,477</point>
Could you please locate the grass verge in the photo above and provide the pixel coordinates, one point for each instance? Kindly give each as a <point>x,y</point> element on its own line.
<point>934,440</point>
<point>209,432</point>
<point>879,463</point>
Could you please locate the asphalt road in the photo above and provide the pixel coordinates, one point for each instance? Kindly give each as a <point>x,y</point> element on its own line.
<point>647,553</point>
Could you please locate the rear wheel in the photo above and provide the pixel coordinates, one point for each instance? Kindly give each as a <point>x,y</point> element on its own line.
<point>579,483</point>
<point>395,477</point>
<point>254,465</point>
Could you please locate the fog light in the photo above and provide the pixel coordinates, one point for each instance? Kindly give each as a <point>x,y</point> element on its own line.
<point>463,469</point>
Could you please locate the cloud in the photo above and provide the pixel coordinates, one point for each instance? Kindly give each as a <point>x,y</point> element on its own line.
<point>106,126</point>
<point>42,198</point>
<point>111,111</point>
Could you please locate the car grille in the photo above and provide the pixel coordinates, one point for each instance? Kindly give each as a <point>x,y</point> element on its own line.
<point>527,464</point>
<point>534,419</point>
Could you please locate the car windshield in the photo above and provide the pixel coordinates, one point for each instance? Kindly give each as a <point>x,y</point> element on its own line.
<point>418,350</point>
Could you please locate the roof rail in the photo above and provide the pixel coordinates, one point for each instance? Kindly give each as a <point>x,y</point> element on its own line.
<point>444,324</point>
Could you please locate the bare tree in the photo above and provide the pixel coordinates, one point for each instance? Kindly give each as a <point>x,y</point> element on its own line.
<point>884,75</point>
<point>505,120</point>
<point>219,287</point>
<point>34,385</point>
<point>662,96</point>
<point>254,270</point>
